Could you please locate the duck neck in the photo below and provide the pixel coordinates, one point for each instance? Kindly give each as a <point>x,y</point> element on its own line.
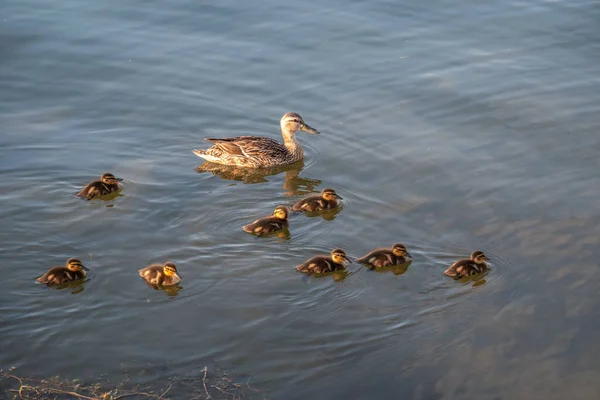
<point>292,144</point>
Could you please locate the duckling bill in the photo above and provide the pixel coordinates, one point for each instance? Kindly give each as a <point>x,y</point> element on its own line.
<point>379,258</point>
<point>336,261</point>
<point>273,223</point>
<point>476,264</point>
<point>73,270</point>
<point>326,201</point>
<point>105,185</point>
<point>161,275</point>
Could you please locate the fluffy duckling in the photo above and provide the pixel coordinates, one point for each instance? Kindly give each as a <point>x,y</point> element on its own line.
<point>326,201</point>
<point>73,270</point>
<point>107,184</point>
<point>474,265</point>
<point>273,223</point>
<point>161,275</point>
<point>321,264</point>
<point>379,258</point>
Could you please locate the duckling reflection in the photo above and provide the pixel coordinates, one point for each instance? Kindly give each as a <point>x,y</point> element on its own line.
<point>399,269</point>
<point>158,276</point>
<point>294,184</point>
<point>469,266</point>
<point>72,271</point>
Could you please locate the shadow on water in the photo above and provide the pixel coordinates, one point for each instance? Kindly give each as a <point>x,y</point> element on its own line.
<point>337,276</point>
<point>394,269</point>
<point>171,291</point>
<point>294,184</point>
<point>76,286</point>
<point>327,215</point>
<point>283,234</point>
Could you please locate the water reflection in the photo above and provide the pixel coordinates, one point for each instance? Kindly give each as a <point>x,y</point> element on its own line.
<point>108,197</point>
<point>171,290</point>
<point>293,184</point>
<point>477,280</point>
<point>337,276</point>
<point>327,215</point>
<point>76,286</point>
<point>395,269</point>
<point>283,234</point>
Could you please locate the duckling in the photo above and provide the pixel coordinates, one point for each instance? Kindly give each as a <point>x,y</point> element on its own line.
<point>386,257</point>
<point>161,275</point>
<point>326,201</point>
<point>260,151</point>
<point>73,270</point>
<point>466,267</point>
<point>321,264</point>
<point>107,184</point>
<point>273,223</point>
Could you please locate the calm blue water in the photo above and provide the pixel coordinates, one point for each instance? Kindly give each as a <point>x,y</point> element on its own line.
<point>447,126</point>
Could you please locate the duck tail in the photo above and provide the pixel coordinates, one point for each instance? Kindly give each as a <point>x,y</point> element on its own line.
<point>200,153</point>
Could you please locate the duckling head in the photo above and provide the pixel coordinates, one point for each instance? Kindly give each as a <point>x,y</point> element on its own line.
<point>330,194</point>
<point>292,122</point>
<point>75,265</point>
<point>400,250</point>
<point>171,270</point>
<point>478,257</point>
<point>339,256</point>
<point>281,212</point>
<point>110,179</point>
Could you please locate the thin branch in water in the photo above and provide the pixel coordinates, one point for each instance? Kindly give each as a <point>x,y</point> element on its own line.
<point>204,383</point>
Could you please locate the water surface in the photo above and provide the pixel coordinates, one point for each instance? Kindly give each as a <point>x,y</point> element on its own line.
<point>445,126</point>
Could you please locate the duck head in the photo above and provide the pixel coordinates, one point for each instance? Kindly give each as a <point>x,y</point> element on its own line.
<point>479,257</point>
<point>110,179</point>
<point>339,256</point>
<point>292,122</point>
<point>400,250</point>
<point>75,265</point>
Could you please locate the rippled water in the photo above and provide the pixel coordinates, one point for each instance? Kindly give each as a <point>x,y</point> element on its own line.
<point>446,126</point>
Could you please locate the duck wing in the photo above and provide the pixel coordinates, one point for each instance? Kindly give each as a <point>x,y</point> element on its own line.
<point>309,204</point>
<point>266,225</point>
<point>378,258</point>
<point>249,146</point>
<point>459,269</point>
<point>90,190</point>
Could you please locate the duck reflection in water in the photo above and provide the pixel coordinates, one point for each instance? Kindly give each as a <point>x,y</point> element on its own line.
<point>398,269</point>
<point>293,183</point>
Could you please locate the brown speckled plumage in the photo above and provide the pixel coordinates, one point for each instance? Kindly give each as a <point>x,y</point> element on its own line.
<point>161,275</point>
<point>467,267</point>
<point>259,151</point>
<point>327,200</point>
<point>105,185</point>
<point>322,264</point>
<point>379,258</point>
<point>73,270</point>
<point>273,223</point>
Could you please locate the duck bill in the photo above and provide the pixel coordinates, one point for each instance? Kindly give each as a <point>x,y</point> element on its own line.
<point>119,179</point>
<point>179,276</point>
<point>309,129</point>
<point>486,258</point>
<point>347,259</point>
<point>337,196</point>
<point>408,254</point>
<point>85,268</point>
